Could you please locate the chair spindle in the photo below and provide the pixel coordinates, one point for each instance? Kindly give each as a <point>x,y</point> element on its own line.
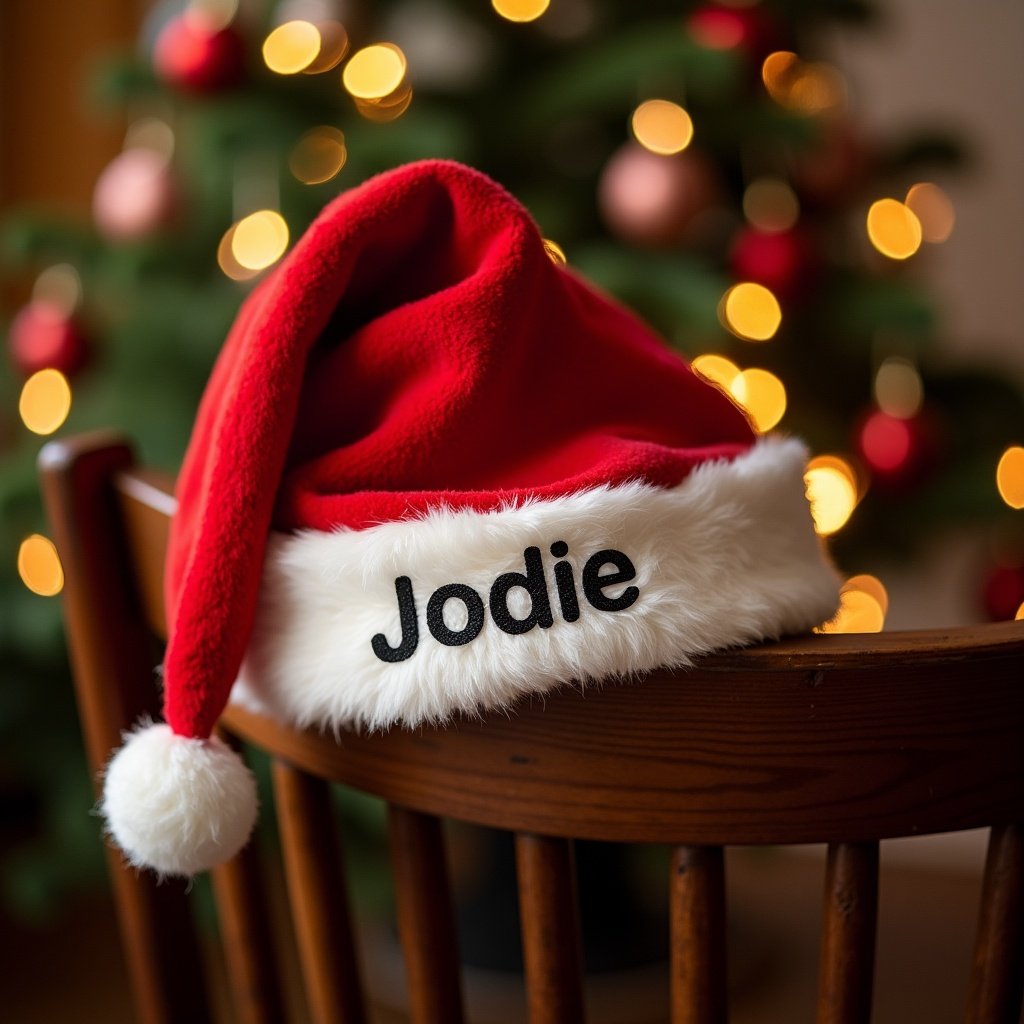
<point>850,917</point>
<point>426,920</point>
<point>697,918</point>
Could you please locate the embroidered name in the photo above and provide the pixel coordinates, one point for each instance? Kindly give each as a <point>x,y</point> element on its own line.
<point>533,581</point>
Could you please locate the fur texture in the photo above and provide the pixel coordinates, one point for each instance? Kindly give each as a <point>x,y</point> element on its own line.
<point>178,805</point>
<point>726,558</point>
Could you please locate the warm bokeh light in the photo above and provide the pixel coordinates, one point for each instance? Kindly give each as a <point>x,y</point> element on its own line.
<point>318,156</point>
<point>291,47</point>
<point>893,229</point>
<point>751,312</point>
<point>808,88</point>
<point>934,209</point>
<point>520,10</point>
<point>778,71</point>
<point>227,262</point>
<point>886,441</point>
<point>717,369</point>
<point>1020,613</point>
<point>39,566</point>
<point>868,584</point>
<point>832,492</point>
<point>555,252</point>
<point>859,612</point>
<point>662,126</point>
<point>899,390</point>
<point>762,395</point>
<point>59,288</point>
<point>388,109</point>
<point>716,29</point>
<point>1010,477</point>
<point>769,204</point>
<point>375,72</point>
<point>333,47</point>
<point>259,239</point>
<point>45,401</point>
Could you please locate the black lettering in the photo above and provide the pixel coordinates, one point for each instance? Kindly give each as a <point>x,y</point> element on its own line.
<point>410,628</point>
<point>534,583</point>
<point>435,614</point>
<point>567,592</point>
<point>594,584</point>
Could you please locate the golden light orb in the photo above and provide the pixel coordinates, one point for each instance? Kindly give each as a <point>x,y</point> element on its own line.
<point>1020,613</point>
<point>802,86</point>
<point>555,252</point>
<point>318,156</point>
<point>872,585</point>
<point>778,71</point>
<point>899,390</point>
<point>39,566</point>
<point>387,109</point>
<point>375,72</point>
<point>934,209</point>
<point>333,47</point>
<point>291,47</point>
<point>227,262</point>
<point>859,612</point>
<point>45,401</point>
<point>751,311</point>
<point>833,497</point>
<point>717,369</point>
<point>769,204</point>
<point>893,229</point>
<point>662,126</point>
<point>520,10</point>
<point>259,240</point>
<point>762,395</point>
<point>1010,477</point>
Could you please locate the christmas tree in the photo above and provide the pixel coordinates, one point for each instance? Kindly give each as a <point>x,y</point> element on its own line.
<point>698,160</point>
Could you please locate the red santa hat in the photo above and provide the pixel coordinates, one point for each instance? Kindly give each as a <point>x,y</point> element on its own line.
<point>433,473</point>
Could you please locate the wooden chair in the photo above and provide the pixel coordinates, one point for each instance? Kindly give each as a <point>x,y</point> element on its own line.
<point>840,739</point>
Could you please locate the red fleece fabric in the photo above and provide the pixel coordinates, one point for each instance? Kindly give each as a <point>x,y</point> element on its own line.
<point>417,348</point>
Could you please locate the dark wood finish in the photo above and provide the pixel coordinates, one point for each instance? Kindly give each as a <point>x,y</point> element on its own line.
<point>846,976</point>
<point>318,897</point>
<point>253,977</point>
<point>426,921</point>
<point>112,658</point>
<point>997,979</point>
<point>697,919</point>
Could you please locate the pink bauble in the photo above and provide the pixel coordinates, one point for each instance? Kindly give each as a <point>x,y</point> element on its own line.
<point>652,200</point>
<point>42,336</point>
<point>194,54</point>
<point>134,196</point>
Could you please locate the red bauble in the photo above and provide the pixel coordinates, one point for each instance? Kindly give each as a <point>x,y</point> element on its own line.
<point>43,336</point>
<point>721,27</point>
<point>900,453</point>
<point>782,261</point>
<point>1002,591</point>
<point>135,195</point>
<point>652,200</point>
<point>194,54</point>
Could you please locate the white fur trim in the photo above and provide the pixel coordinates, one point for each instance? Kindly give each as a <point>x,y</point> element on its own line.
<point>178,805</point>
<point>727,557</point>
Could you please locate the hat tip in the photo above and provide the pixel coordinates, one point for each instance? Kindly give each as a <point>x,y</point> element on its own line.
<point>178,805</point>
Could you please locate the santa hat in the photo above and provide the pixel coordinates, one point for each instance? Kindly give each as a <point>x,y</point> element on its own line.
<point>433,473</point>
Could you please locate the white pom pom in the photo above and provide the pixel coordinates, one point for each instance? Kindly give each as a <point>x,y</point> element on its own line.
<point>178,805</point>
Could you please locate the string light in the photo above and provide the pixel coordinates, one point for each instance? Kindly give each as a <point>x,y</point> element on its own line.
<point>259,240</point>
<point>45,401</point>
<point>934,209</point>
<point>899,390</point>
<point>662,126</point>
<point>227,262</point>
<point>872,585</point>
<point>802,86</point>
<point>39,566</point>
<point>859,612</point>
<point>832,491</point>
<point>333,47</point>
<point>893,229</point>
<point>318,156</point>
<point>555,252</point>
<point>520,10</point>
<point>375,72</point>
<point>769,204</point>
<point>1010,477</point>
<point>750,311</point>
<point>1020,613</point>
<point>387,109</point>
<point>291,47</point>
<point>762,395</point>
<point>717,369</point>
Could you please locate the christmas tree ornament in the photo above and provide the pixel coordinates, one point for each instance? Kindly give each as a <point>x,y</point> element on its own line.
<point>135,195</point>
<point>195,52</point>
<point>488,481</point>
<point>653,200</point>
<point>44,335</point>
<point>719,26</point>
<point>780,260</point>
<point>901,453</point>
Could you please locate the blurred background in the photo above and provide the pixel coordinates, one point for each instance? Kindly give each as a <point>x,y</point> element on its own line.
<point>817,202</point>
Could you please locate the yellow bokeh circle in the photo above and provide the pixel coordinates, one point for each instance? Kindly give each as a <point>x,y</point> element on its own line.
<point>751,311</point>
<point>39,566</point>
<point>375,72</point>
<point>520,10</point>
<point>259,239</point>
<point>45,401</point>
<point>1010,477</point>
<point>893,229</point>
<point>662,127</point>
<point>833,497</point>
<point>291,47</point>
